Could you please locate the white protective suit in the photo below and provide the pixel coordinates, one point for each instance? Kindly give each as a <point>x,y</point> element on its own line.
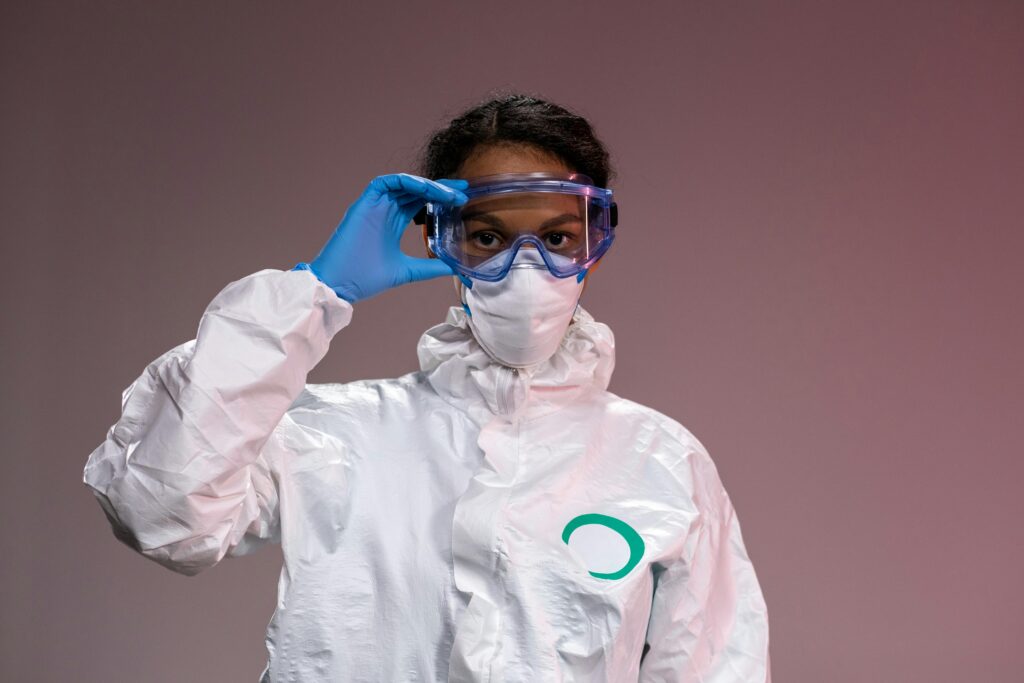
<point>422,518</point>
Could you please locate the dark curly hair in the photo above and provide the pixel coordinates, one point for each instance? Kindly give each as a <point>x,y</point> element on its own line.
<point>517,119</point>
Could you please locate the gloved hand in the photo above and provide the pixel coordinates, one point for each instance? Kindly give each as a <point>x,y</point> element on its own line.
<point>363,258</point>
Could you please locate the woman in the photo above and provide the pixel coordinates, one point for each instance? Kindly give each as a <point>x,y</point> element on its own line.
<point>497,515</point>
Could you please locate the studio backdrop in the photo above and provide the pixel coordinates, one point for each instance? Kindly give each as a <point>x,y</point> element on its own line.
<point>818,271</point>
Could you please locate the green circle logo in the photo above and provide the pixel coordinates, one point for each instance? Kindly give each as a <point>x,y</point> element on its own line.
<point>632,538</point>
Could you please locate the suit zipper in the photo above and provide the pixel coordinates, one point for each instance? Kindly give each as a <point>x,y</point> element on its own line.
<point>505,384</point>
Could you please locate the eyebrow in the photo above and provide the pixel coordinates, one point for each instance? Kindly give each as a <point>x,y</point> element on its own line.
<point>483,217</point>
<point>495,222</point>
<point>561,220</point>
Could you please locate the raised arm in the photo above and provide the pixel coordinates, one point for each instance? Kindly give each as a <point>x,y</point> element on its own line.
<point>185,474</point>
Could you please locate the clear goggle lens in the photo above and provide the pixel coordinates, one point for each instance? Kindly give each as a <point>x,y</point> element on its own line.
<point>570,224</point>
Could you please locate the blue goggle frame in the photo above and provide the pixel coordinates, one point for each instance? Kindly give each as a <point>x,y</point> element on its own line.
<point>440,220</point>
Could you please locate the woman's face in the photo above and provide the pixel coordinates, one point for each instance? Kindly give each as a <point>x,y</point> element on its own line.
<point>495,159</point>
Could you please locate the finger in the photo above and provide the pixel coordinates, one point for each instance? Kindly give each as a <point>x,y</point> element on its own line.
<point>433,191</point>
<point>458,185</point>
<point>408,201</point>
<point>382,185</point>
<point>426,268</point>
<point>454,183</point>
<point>397,184</point>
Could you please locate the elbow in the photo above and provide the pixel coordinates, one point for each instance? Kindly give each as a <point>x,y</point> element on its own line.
<point>186,558</point>
<point>187,555</point>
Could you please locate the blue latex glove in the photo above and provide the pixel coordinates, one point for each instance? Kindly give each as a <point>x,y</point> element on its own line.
<point>363,257</point>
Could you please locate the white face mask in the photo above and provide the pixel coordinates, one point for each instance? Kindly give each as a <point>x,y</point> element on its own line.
<point>521,319</point>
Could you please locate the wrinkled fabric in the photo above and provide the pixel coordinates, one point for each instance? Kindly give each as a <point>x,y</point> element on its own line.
<point>465,522</point>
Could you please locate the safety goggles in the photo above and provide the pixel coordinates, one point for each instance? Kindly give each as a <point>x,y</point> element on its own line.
<point>570,221</point>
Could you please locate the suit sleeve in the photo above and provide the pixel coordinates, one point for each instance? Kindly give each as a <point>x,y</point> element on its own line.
<point>709,622</point>
<point>186,475</point>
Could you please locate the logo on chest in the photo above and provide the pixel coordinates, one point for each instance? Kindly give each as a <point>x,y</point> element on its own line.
<point>610,548</point>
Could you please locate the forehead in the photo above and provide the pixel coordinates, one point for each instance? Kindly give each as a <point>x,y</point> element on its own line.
<point>546,202</point>
<point>509,158</point>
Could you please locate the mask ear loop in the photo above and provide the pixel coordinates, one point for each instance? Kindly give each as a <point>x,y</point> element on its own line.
<point>579,279</point>
<point>462,293</point>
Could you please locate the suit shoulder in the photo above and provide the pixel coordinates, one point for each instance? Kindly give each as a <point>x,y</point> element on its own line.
<point>357,396</point>
<point>670,446</point>
<point>649,419</point>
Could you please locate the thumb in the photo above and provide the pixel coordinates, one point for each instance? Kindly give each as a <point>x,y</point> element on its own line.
<point>426,268</point>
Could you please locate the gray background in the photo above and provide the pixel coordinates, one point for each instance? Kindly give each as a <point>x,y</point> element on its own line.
<point>818,272</point>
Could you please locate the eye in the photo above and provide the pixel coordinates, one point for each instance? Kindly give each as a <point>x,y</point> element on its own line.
<point>485,239</point>
<point>558,239</point>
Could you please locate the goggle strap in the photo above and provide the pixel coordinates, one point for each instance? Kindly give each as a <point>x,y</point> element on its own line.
<point>424,217</point>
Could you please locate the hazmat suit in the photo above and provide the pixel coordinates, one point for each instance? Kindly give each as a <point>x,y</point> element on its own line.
<point>465,522</point>
<point>422,518</point>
